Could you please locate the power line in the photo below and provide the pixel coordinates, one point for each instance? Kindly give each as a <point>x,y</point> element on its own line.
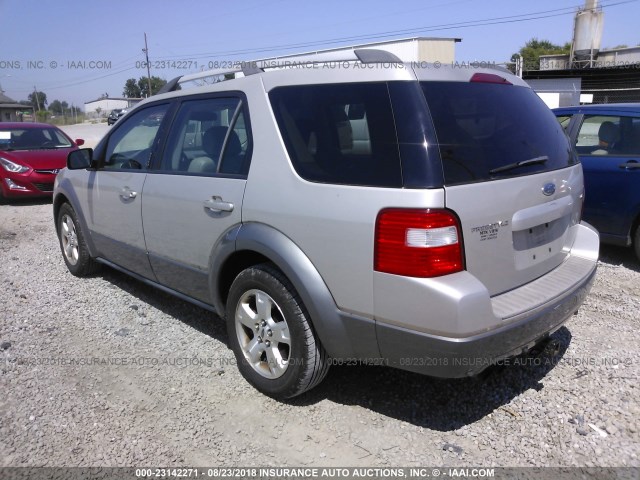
<point>394,33</point>
<point>380,35</point>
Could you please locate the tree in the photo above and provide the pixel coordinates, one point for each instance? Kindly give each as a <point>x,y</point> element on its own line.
<point>59,108</point>
<point>140,89</point>
<point>38,100</point>
<point>55,107</point>
<point>131,89</point>
<point>156,84</point>
<point>42,115</point>
<point>534,48</point>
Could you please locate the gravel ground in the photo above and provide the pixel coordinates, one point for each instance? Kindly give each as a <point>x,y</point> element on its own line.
<point>106,371</point>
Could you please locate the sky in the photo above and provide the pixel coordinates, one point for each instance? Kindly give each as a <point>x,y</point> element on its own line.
<point>78,50</point>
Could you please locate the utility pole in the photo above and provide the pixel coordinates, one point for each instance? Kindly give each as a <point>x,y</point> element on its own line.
<point>35,92</point>
<point>146,53</point>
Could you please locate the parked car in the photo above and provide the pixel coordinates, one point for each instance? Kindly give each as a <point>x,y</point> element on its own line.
<point>607,139</point>
<point>114,115</point>
<point>383,213</point>
<point>31,154</point>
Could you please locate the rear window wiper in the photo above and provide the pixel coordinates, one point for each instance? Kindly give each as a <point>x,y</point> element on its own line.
<point>523,163</point>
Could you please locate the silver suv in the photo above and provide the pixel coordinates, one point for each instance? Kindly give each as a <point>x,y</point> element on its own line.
<point>366,211</point>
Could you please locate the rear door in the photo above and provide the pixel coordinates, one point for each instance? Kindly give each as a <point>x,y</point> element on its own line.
<point>510,175</point>
<point>195,193</point>
<point>114,191</point>
<point>609,149</point>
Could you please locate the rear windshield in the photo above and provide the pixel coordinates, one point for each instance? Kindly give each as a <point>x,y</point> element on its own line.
<point>484,130</point>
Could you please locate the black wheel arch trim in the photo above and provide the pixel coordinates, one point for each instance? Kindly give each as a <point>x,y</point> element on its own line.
<point>342,335</point>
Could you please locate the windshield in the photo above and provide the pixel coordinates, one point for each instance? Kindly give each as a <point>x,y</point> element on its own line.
<point>488,131</point>
<point>32,139</point>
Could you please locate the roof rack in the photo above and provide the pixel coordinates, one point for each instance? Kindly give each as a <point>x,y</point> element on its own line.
<point>363,55</point>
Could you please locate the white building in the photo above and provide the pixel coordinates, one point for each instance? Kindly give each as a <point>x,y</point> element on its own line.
<point>415,49</point>
<point>102,106</point>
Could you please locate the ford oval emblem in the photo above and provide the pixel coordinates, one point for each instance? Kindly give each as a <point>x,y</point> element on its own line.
<point>549,189</point>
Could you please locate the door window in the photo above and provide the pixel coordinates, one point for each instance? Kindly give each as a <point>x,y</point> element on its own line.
<point>609,135</point>
<point>130,146</point>
<point>208,137</point>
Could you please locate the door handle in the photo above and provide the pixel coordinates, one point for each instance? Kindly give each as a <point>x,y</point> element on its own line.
<point>216,204</point>
<point>127,194</point>
<point>630,165</point>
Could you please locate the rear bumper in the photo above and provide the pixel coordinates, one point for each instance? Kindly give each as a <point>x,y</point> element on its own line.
<point>550,301</point>
<point>459,357</point>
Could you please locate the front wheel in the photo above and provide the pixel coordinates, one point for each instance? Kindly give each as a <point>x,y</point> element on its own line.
<point>271,336</point>
<point>73,244</point>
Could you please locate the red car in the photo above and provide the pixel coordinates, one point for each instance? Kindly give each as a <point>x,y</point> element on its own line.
<point>31,154</point>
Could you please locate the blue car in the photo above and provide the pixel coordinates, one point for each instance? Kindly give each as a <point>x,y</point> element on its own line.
<point>607,139</point>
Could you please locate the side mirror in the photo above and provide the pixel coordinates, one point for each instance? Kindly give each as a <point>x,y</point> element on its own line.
<point>79,142</point>
<point>80,159</point>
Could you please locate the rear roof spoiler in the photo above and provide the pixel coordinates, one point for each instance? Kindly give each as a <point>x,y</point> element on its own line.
<point>362,55</point>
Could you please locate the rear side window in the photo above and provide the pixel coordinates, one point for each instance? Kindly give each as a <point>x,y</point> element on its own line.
<point>484,130</point>
<point>339,134</point>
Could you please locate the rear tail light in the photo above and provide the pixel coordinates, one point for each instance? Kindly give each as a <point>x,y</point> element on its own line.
<point>418,243</point>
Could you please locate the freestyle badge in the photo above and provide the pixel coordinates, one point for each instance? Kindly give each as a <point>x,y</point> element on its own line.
<point>489,231</point>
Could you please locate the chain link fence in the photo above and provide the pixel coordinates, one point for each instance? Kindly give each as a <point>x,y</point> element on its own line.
<point>576,86</point>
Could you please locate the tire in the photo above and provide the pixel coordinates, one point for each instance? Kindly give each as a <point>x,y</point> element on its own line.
<point>73,244</point>
<point>275,346</point>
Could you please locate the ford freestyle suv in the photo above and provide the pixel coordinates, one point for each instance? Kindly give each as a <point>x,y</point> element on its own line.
<point>357,211</point>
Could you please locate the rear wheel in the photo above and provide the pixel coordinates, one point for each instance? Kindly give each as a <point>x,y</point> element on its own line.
<point>73,244</point>
<point>271,336</point>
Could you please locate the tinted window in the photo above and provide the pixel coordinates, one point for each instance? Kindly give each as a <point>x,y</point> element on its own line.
<point>130,146</point>
<point>482,127</point>
<point>341,134</point>
<point>208,136</point>
<point>609,135</point>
